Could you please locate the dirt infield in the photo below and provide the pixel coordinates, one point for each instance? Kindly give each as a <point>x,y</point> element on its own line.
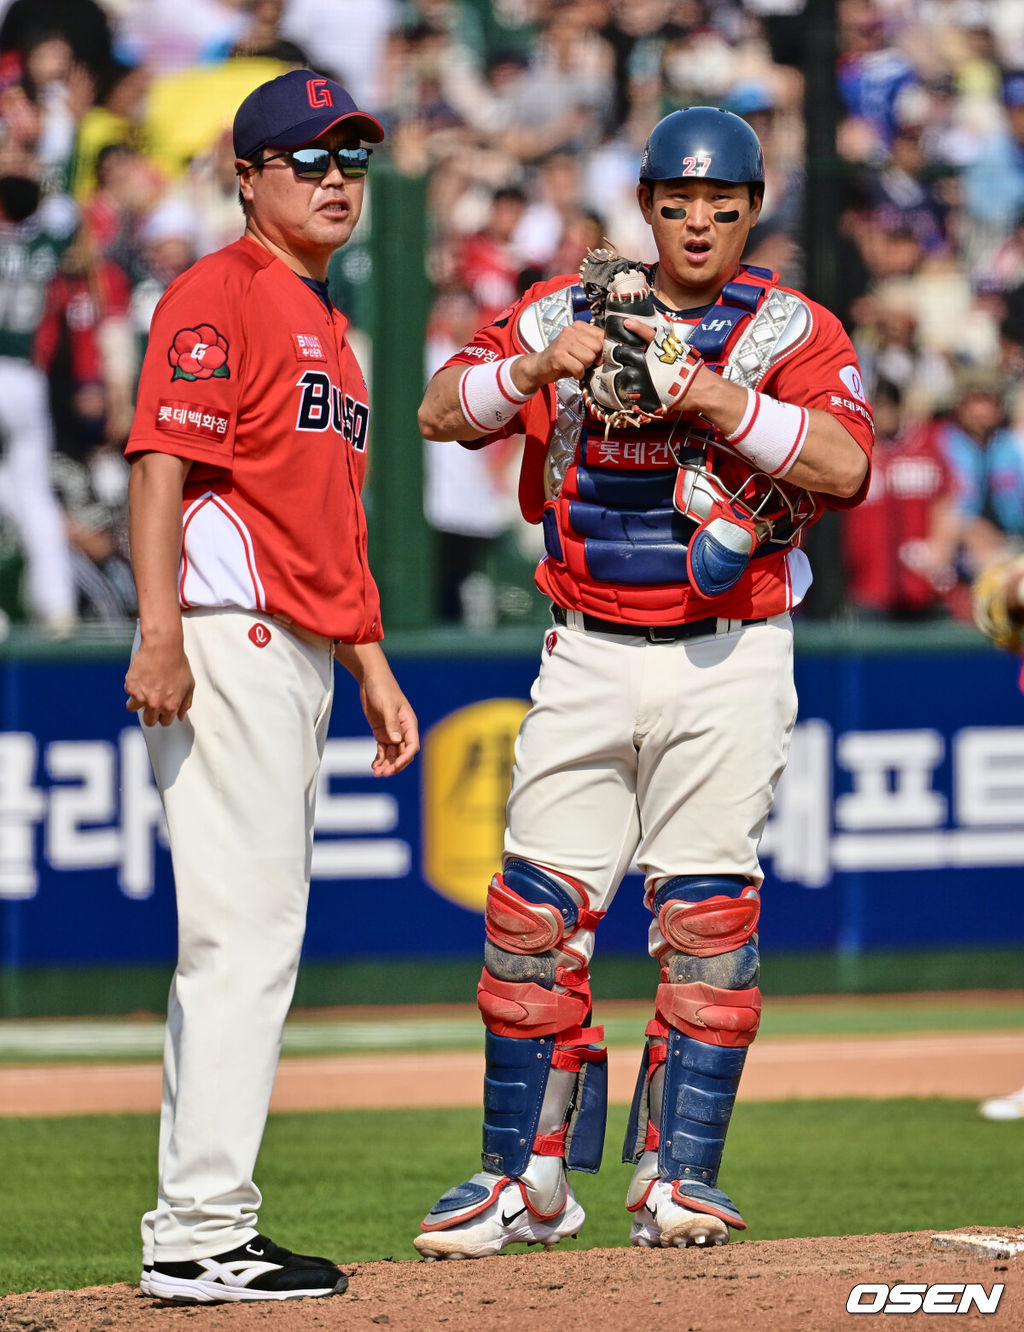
<point>977,1064</point>
<point>793,1285</point>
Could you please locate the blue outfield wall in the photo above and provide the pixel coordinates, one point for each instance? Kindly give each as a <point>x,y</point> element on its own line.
<point>899,822</point>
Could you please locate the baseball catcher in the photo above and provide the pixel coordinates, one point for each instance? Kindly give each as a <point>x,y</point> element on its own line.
<point>634,381</point>
<point>685,422</point>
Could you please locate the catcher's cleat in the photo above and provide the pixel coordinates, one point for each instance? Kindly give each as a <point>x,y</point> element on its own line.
<point>664,1217</point>
<point>1006,1107</point>
<point>481,1217</point>
<point>256,1270</point>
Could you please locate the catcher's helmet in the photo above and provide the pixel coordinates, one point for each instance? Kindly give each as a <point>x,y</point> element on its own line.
<point>703,141</point>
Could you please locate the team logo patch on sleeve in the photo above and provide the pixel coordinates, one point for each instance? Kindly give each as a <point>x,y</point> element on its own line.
<point>199,353</point>
<point>850,376</point>
<point>307,347</point>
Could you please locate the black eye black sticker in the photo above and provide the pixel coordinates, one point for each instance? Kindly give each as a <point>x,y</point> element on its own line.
<point>677,214</point>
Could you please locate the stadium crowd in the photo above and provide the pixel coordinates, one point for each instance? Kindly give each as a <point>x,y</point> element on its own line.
<point>527,118</point>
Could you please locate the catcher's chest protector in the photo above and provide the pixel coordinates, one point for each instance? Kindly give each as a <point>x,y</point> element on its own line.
<point>610,521</point>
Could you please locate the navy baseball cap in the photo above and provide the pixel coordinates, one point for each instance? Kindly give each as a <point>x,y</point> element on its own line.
<point>293,110</point>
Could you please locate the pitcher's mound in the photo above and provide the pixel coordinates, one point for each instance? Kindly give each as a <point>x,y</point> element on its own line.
<point>752,1286</point>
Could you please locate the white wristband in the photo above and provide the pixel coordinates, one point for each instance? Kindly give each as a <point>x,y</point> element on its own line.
<point>771,433</point>
<point>488,395</point>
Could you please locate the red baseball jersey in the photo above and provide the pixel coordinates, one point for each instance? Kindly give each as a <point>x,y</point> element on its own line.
<point>820,371</point>
<point>886,540</point>
<point>250,375</point>
<point>77,304</point>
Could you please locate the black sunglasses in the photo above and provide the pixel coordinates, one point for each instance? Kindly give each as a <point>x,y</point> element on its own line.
<point>314,163</point>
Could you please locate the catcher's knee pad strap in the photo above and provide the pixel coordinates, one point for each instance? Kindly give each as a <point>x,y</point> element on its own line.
<point>703,915</point>
<point>525,1009</point>
<point>709,1013</point>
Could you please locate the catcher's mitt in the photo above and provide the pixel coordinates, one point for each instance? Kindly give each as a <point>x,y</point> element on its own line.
<point>634,381</point>
<point>997,601</point>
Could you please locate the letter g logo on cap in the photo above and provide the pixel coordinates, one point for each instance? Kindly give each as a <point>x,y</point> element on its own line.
<point>319,93</point>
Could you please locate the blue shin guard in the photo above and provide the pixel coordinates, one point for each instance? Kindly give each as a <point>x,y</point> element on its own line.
<point>691,1110</point>
<point>699,1091</point>
<point>515,1081</point>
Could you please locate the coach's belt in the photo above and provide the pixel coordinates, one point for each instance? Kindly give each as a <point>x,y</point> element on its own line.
<point>654,633</point>
<point>308,637</point>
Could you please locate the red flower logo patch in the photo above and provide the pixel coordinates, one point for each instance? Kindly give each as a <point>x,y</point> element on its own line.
<point>199,353</point>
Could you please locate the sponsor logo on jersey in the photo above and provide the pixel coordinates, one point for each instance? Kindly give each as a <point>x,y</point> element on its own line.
<point>307,347</point>
<point>193,420</point>
<point>481,353</point>
<point>849,405</point>
<point>323,406</point>
<point>199,353</point>
<point>630,453</point>
<point>850,376</point>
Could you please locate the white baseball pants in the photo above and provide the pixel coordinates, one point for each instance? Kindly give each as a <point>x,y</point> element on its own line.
<point>27,496</point>
<point>663,753</point>
<point>238,781</point>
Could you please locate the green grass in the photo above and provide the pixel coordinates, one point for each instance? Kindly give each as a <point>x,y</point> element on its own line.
<point>44,1040</point>
<point>63,991</point>
<point>355,1184</point>
<point>855,1017</point>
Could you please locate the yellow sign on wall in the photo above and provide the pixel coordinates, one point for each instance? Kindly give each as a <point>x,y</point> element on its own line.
<point>467,774</point>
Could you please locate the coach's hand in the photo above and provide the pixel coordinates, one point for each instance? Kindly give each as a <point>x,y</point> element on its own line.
<point>393,723</point>
<point>388,711</point>
<point>159,683</point>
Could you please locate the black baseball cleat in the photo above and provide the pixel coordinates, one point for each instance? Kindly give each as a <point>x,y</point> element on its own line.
<point>257,1270</point>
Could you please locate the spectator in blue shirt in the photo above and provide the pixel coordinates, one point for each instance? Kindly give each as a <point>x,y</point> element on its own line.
<point>994,183</point>
<point>873,74</point>
<point>987,459</point>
